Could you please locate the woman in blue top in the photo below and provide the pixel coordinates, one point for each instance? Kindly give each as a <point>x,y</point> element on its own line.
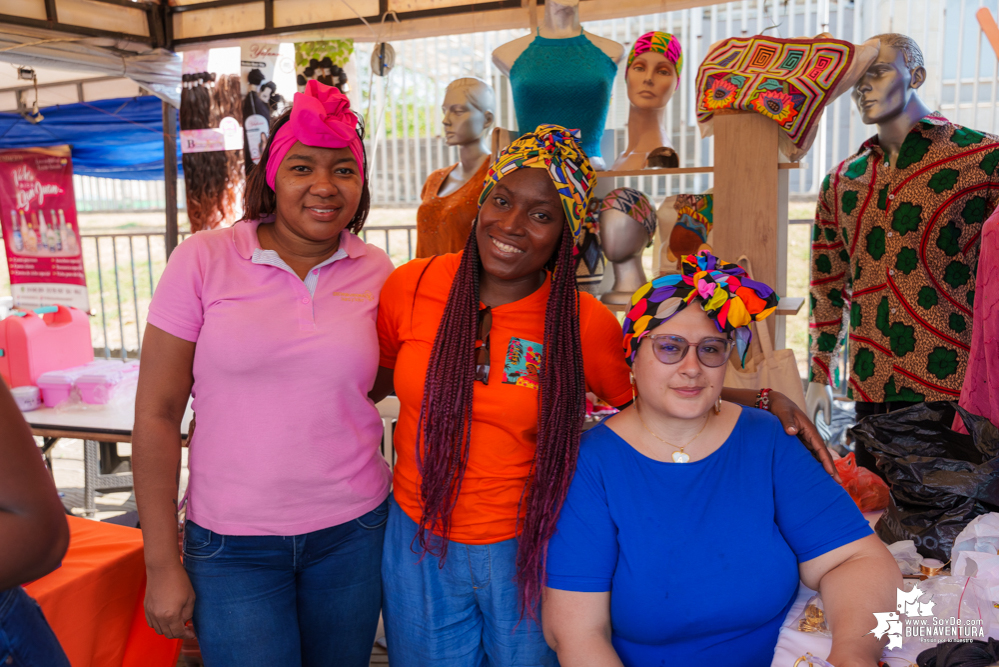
<point>690,520</point>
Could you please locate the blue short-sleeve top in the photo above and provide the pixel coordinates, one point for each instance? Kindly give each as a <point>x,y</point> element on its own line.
<point>701,558</point>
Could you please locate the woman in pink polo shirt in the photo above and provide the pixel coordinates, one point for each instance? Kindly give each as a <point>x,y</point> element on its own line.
<point>270,325</point>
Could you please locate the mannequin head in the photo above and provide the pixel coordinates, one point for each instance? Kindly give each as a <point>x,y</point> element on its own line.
<point>653,69</point>
<point>468,108</point>
<point>627,223</point>
<point>889,85</point>
<point>621,236</point>
<point>651,80</point>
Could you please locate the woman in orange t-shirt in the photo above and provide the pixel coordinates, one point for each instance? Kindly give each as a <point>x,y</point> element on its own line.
<point>491,352</point>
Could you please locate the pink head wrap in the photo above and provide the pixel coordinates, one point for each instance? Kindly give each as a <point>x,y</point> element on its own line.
<point>321,117</point>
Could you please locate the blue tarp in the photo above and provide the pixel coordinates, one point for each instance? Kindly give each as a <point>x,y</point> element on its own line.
<point>120,138</point>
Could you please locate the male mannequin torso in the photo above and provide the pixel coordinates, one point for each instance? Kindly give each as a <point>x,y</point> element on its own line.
<point>895,240</point>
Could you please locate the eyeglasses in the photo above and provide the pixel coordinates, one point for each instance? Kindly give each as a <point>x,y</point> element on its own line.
<point>669,349</point>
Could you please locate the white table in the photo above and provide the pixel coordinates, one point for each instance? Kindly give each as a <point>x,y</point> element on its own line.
<point>100,427</point>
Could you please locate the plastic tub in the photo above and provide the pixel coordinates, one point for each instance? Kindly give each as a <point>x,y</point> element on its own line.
<point>96,386</point>
<point>57,386</point>
<point>27,398</point>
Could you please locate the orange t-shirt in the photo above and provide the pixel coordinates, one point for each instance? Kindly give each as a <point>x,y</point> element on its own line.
<point>443,223</point>
<point>505,411</point>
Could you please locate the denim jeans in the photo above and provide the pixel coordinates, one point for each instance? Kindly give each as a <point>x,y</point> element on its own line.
<point>26,640</point>
<point>465,614</point>
<point>300,601</point>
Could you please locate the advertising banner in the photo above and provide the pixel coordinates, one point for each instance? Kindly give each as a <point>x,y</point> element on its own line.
<point>261,102</point>
<point>38,215</point>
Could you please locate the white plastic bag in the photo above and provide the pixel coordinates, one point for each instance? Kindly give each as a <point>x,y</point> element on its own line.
<point>981,534</point>
<point>906,556</point>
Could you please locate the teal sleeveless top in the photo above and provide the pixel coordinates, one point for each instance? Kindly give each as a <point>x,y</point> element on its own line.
<point>566,82</point>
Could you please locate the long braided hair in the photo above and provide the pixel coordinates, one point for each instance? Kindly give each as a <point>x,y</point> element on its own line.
<point>444,429</point>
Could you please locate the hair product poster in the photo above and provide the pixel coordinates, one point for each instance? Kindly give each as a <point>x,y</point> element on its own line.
<point>38,214</point>
<point>260,99</point>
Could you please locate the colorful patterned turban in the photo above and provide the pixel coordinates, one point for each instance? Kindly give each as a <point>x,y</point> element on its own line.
<point>729,298</point>
<point>635,205</point>
<point>555,149</point>
<point>660,42</point>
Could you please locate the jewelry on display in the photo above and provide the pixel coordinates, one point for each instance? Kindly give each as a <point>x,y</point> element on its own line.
<point>763,399</point>
<point>680,456</point>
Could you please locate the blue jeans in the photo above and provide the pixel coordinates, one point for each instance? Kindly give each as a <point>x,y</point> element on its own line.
<point>26,640</point>
<point>301,601</point>
<point>465,614</point>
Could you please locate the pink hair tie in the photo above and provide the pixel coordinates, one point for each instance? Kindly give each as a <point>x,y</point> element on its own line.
<point>320,117</point>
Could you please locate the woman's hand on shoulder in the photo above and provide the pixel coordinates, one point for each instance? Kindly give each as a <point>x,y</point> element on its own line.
<point>796,422</point>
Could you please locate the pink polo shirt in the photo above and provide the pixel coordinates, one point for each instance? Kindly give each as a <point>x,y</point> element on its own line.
<point>287,440</point>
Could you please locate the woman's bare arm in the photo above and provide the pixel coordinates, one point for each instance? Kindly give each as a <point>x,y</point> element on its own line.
<point>577,627</point>
<point>855,581</point>
<point>384,384</point>
<point>165,380</point>
<point>33,529</point>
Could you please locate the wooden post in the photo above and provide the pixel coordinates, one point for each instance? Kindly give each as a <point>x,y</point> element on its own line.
<point>170,175</point>
<point>747,196</point>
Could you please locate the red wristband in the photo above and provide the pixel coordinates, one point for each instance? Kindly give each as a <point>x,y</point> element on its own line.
<point>763,399</point>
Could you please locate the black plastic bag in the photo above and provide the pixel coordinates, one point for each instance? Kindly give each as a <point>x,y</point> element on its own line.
<point>940,479</point>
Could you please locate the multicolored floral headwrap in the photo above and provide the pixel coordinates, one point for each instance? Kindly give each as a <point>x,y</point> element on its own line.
<point>729,298</point>
<point>660,42</point>
<point>555,149</point>
<point>635,205</point>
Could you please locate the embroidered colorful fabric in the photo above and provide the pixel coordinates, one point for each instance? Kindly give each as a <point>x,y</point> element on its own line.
<point>694,220</point>
<point>635,205</point>
<point>555,149</point>
<point>660,42</point>
<point>729,297</point>
<point>790,81</point>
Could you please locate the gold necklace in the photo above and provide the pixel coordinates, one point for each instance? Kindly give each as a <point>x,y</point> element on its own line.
<point>680,456</point>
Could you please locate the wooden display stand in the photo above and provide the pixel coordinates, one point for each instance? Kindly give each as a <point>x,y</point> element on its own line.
<point>750,200</point>
<point>750,203</point>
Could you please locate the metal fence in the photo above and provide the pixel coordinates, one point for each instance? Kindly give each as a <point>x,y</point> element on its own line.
<point>114,194</point>
<point>123,268</point>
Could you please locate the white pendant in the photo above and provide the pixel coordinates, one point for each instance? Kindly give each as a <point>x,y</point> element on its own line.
<point>680,457</point>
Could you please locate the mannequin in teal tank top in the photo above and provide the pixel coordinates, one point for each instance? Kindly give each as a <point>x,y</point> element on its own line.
<point>562,75</point>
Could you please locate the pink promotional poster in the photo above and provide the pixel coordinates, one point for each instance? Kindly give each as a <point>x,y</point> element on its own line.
<point>38,214</point>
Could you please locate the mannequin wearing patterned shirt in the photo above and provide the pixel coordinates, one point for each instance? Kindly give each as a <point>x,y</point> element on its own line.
<point>895,245</point>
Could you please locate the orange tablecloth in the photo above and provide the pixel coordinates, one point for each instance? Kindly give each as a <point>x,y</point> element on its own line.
<point>94,600</point>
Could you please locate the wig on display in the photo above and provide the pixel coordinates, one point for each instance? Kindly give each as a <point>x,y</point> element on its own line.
<point>212,190</point>
<point>226,101</point>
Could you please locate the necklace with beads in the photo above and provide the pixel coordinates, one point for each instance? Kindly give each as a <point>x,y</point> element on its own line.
<point>678,456</point>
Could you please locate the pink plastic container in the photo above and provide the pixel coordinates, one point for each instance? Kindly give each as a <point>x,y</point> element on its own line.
<point>96,386</point>
<point>57,386</point>
<point>32,343</point>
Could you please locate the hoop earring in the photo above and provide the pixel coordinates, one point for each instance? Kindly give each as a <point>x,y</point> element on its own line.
<point>718,406</point>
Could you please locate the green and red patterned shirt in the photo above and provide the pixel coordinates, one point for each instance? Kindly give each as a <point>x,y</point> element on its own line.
<point>894,256</point>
